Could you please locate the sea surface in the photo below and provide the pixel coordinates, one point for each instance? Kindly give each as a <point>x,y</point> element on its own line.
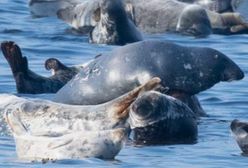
<point>42,38</point>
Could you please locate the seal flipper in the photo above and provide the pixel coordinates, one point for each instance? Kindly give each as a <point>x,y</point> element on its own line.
<point>13,55</point>
<point>120,106</point>
<point>18,64</point>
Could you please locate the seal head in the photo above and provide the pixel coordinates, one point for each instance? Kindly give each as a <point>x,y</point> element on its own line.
<point>156,118</point>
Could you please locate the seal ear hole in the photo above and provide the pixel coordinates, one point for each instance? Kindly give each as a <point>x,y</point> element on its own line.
<point>97,15</point>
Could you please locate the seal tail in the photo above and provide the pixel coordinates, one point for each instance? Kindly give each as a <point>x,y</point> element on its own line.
<point>120,105</point>
<point>13,55</point>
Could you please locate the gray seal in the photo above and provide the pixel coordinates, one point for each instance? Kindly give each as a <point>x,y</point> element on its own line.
<point>28,81</point>
<point>182,69</point>
<point>109,22</point>
<point>156,118</point>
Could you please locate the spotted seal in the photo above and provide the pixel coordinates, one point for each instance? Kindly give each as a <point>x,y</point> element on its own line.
<point>157,118</point>
<point>114,26</point>
<point>240,132</point>
<point>46,130</point>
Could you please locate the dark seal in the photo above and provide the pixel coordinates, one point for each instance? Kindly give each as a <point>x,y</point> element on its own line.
<point>28,81</point>
<point>186,69</point>
<point>156,118</point>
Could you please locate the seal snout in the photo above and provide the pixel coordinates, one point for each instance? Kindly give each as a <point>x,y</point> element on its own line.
<point>231,74</point>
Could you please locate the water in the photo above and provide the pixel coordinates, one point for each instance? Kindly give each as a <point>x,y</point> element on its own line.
<point>42,38</point>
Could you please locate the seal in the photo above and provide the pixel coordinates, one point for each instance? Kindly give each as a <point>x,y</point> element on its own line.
<point>28,81</point>
<point>240,132</point>
<point>233,17</point>
<point>182,69</point>
<point>156,118</point>
<point>114,26</point>
<point>46,130</point>
<point>111,22</point>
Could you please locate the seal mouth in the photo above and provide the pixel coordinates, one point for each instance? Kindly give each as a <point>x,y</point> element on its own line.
<point>232,77</point>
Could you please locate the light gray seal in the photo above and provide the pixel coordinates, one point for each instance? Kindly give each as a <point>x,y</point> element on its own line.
<point>47,130</point>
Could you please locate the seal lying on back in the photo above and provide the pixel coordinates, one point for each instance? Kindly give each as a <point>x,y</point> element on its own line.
<point>29,82</point>
<point>185,69</point>
<point>156,118</point>
<point>47,130</point>
<point>240,132</point>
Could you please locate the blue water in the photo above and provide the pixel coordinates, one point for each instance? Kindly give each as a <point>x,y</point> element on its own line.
<point>42,38</point>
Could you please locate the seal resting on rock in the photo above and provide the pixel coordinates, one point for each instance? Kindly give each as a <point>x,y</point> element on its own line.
<point>157,118</point>
<point>240,132</point>
<point>28,81</point>
<point>46,130</point>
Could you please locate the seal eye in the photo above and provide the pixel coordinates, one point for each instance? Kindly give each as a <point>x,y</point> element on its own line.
<point>143,108</point>
<point>75,16</point>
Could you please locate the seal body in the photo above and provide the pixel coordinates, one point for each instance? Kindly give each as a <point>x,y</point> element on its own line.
<point>240,132</point>
<point>47,130</point>
<point>114,26</point>
<point>187,69</point>
<point>156,118</point>
<point>105,20</point>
